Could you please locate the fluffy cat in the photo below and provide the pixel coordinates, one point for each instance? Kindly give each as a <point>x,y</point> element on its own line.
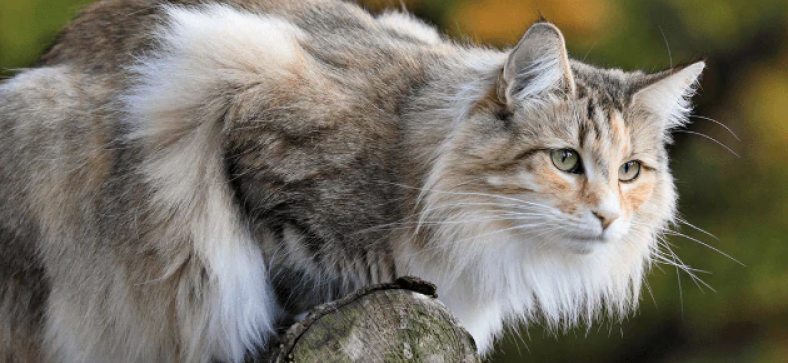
<point>178,179</point>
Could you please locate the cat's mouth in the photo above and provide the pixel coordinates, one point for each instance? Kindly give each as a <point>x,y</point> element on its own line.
<point>588,237</point>
<point>585,244</point>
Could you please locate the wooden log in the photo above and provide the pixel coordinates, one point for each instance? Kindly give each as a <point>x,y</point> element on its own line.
<point>392,323</point>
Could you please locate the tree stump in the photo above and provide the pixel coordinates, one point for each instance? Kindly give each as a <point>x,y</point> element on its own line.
<point>392,323</point>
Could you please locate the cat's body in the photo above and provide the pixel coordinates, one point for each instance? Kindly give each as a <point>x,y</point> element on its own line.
<point>180,178</point>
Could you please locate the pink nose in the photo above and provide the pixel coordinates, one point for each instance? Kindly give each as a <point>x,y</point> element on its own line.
<point>606,218</point>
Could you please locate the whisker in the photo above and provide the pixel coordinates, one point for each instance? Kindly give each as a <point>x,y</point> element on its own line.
<point>681,292</point>
<point>650,292</point>
<point>515,217</point>
<point>718,123</point>
<point>698,281</point>
<point>670,56</point>
<point>676,261</point>
<point>501,231</point>
<point>519,201</point>
<point>684,267</point>
<point>674,233</point>
<point>710,138</point>
<point>504,216</point>
<point>701,230</point>
<point>523,206</point>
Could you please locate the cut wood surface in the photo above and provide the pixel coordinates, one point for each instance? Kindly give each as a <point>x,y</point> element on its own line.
<point>399,322</point>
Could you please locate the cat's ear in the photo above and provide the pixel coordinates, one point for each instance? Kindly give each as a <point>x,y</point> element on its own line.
<point>668,94</point>
<point>538,64</point>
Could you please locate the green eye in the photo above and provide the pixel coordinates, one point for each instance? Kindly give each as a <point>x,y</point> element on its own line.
<point>629,171</point>
<point>566,160</point>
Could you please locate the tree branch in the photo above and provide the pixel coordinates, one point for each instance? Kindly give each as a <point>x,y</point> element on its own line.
<point>399,322</point>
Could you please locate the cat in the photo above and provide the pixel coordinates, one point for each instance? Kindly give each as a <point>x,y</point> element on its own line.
<point>180,179</point>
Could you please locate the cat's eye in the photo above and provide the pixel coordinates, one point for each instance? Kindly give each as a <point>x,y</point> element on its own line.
<point>566,160</point>
<point>629,171</point>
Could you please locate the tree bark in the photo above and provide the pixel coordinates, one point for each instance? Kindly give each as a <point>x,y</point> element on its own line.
<point>392,323</point>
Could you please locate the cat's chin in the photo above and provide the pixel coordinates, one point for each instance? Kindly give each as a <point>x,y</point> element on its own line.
<point>584,246</point>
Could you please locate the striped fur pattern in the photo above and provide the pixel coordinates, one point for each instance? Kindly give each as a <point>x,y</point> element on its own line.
<point>181,179</point>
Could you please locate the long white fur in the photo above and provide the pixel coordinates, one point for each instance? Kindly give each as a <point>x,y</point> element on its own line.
<point>173,111</point>
<point>489,277</point>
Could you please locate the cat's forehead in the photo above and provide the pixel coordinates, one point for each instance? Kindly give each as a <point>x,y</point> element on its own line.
<point>606,88</point>
<point>596,121</point>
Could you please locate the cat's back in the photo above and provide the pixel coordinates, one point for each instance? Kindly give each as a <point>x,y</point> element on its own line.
<point>107,34</point>
<point>353,62</point>
<point>110,35</point>
<point>326,60</point>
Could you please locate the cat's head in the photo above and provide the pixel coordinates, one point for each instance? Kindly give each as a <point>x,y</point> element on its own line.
<point>567,162</point>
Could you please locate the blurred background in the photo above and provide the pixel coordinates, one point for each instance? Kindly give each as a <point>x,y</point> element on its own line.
<point>742,316</point>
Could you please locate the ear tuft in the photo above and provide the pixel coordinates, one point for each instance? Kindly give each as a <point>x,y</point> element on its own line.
<point>537,65</point>
<point>668,96</point>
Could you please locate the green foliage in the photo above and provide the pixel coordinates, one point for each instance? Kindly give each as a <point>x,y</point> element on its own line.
<point>27,27</point>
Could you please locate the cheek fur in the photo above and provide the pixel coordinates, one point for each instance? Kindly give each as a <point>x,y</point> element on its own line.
<point>637,195</point>
<point>553,185</point>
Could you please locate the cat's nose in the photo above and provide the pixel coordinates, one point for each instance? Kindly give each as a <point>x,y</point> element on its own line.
<point>606,217</point>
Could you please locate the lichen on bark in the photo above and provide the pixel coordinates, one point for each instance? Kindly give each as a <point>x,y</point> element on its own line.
<point>398,322</point>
